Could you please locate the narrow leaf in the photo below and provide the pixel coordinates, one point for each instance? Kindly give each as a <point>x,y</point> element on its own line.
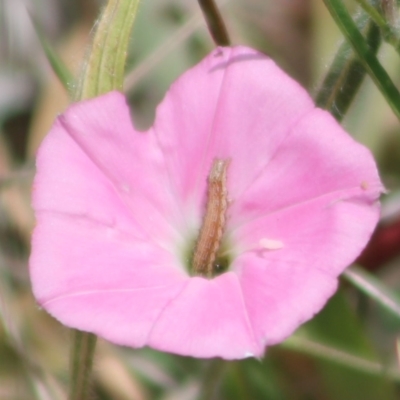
<point>387,23</point>
<point>346,73</point>
<point>374,288</point>
<point>60,69</point>
<point>365,54</point>
<point>338,356</point>
<point>346,358</point>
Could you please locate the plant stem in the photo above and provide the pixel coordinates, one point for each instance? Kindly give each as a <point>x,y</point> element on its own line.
<point>105,67</point>
<point>82,355</point>
<point>212,379</point>
<point>368,59</point>
<point>215,23</point>
<point>340,357</point>
<point>346,72</point>
<point>374,289</point>
<point>388,31</point>
<point>373,13</point>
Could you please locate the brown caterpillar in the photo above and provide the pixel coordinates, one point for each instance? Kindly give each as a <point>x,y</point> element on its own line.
<point>210,236</point>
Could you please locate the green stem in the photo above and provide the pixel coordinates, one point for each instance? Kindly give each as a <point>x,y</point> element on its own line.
<point>215,22</point>
<point>105,67</point>
<point>346,73</point>
<point>373,13</point>
<point>389,34</point>
<point>374,288</point>
<point>340,357</point>
<point>368,59</point>
<point>82,354</point>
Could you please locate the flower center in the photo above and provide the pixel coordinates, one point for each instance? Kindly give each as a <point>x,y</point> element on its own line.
<point>205,262</point>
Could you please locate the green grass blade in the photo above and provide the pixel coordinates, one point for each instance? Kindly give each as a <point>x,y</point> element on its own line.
<point>387,26</point>
<point>58,66</point>
<point>338,356</point>
<point>366,56</point>
<point>346,358</point>
<point>346,73</point>
<point>374,288</point>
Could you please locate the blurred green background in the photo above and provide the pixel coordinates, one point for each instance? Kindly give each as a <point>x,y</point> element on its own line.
<point>349,351</point>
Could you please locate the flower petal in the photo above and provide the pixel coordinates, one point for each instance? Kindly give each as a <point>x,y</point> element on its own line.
<point>94,163</point>
<point>281,294</point>
<point>200,321</point>
<point>317,199</point>
<point>317,158</point>
<point>114,206</point>
<point>284,287</point>
<point>95,278</point>
<point>123,317</point>
<point>104,245</point>
<point>235,104</point>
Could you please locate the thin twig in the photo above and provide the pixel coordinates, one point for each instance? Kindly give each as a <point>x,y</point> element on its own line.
<point>215,22</point>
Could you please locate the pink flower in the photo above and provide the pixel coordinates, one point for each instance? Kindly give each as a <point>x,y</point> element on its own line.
<point>119,212</point>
